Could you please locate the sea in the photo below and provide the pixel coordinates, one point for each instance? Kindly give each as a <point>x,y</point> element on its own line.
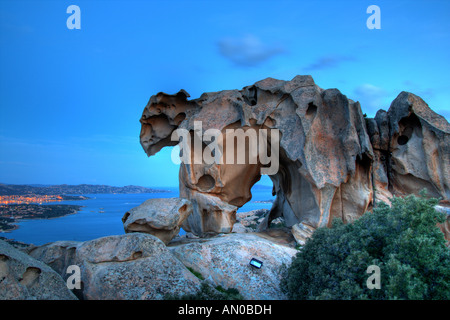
<point>101,215</point>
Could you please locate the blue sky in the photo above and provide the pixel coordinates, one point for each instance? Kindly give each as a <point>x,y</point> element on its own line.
<point>71,99</point>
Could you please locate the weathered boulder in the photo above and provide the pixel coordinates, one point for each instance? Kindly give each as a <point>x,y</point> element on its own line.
<point>419,146</point>
<point>224,260</point>
<point>412,151</point>
<point>25,278</point>
<point>159,217</point>
<point>134,266</point>
<point>209,214</point>
<point>58,255</point>
<point>249,221</point>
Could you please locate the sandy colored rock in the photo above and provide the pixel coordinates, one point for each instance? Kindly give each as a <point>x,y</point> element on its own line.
<point>159,217</point>
<point>323,145</point>
<point>133,266</point>
<point>333,162</point>
<point>224,260</point>
<point>420,148</point>
<point>301,233</point>
<point>25,278</point>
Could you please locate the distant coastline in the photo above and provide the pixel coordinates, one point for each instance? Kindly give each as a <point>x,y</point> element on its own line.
<point>65,189</point>
<point>19,202</point>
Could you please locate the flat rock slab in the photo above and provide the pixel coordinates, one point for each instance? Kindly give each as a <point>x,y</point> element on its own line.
<point>224,260</point>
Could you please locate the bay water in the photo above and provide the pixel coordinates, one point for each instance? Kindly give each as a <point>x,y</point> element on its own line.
<point>102,214</point>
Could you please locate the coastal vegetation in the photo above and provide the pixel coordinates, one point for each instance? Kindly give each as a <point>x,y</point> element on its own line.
<point>402,240</point>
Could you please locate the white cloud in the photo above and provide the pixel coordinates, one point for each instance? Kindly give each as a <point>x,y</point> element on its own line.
<point>248,51</point>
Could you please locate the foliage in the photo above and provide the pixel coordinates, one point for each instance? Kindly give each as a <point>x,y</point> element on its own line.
<point>196,273</point>
<point>403,240</point>
<point>208,292</point>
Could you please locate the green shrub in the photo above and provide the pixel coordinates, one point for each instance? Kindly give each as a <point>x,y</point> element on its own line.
<point>403,240</point>
<point>196,273</point>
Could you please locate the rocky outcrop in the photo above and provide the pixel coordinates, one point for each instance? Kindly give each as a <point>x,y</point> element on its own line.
<point>419,147</point>
<point>324,151</point>
<point>249,221</point>
<point>159,217</point>
<point>412,151</point>
<point>333,162</point>
<point>133,266</point>
<point>301,233</point>
<point>25,278</point>
<point>224,261</point>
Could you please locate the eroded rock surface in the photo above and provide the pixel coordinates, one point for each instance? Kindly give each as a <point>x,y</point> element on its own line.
<point>419,146</point>
<point>333,162</point>
<point>134,266</point>
<point>25,278</point>
<point>159,217</point>
<point>224,260</point>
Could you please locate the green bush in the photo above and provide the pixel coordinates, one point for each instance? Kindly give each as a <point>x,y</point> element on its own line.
<point>196,273</point>
<point>403,240</point>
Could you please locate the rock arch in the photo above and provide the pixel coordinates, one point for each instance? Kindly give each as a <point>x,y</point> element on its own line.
<point>332,161</point>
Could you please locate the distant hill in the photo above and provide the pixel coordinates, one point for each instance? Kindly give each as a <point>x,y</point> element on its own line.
<point>15,189</point>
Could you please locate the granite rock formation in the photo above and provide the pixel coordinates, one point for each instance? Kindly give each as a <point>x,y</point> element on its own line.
<point>25,278</point>
<point>224,261</point>
<point>138,266</point>
<point>333,162</point>
<point>134,266</point>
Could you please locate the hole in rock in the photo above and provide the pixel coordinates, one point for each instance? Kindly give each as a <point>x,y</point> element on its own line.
<point>137,254</point>
<point>30,276</point>
<point>206,182</point>
<point>311,111</point>
<point>261,202</point>
<point>408,127</point>
<point>182,208</point>
<point>250,97</point>
<point>402,140</point>
<point>179,118</point>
